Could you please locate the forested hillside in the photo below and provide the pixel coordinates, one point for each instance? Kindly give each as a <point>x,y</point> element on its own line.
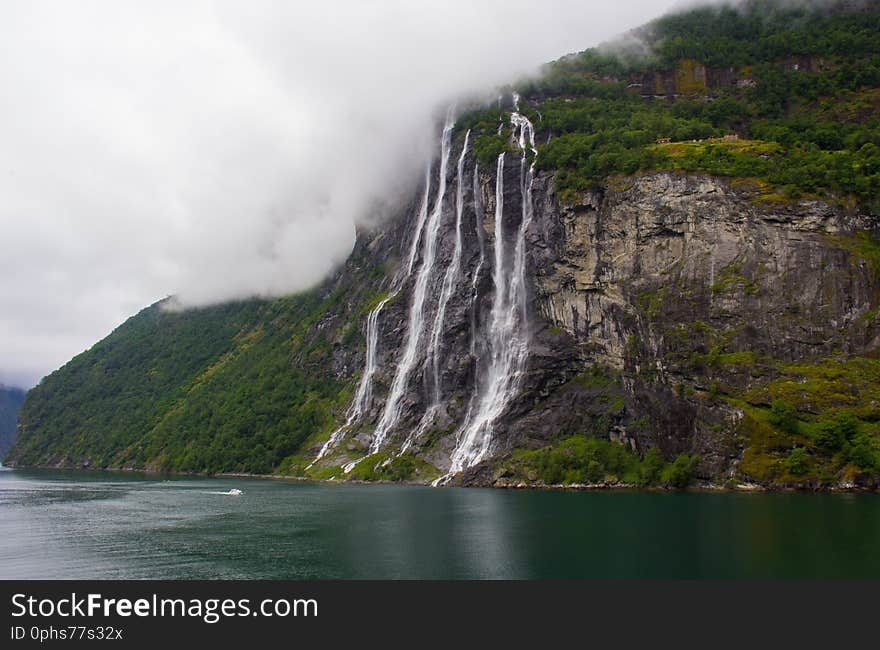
<point>211,390</point>
<point>10,403</point>
<point>798,88</point>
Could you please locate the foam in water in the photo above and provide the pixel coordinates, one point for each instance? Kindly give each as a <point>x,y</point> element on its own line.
<point>234,492</point>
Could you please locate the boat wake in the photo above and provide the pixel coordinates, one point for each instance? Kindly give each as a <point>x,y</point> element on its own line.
<point>234,492</point>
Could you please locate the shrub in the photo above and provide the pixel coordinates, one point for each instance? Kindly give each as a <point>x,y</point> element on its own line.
<point>651,467</point>
<point>585,459</point>
<point>595,471</point>
<point>797,462</point>
<point>783,416</point>
<point>487,148</point>
<point>864,452</point>
<point>681,472</point>
<point>833,433</point>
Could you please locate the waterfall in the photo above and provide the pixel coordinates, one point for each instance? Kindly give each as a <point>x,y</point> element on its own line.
<point>500,352</point>
<point>391,414</point>
<point>450,279</point>
<point>508,329</point>
<point>526,176</point>
<point>364,394</point>
<point>420,225</point>
<point>481,238</point>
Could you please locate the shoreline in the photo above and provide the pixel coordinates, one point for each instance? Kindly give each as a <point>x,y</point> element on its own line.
<point>700,486</point>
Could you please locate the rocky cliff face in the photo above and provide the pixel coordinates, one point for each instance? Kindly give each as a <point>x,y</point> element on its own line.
<point>690,77</point>
<point>660,311</point>
<point>687,287</point>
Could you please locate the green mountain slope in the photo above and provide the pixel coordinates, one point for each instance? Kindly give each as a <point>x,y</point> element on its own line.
<point>230,388</point>
<point>213,389</point>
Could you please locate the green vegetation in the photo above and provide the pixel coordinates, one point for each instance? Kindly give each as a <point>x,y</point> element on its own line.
<point>767,30</point>
<point>797,462</point>
<point>386,466</point>
<point>731,281</point>
<point>381,466</point>
<point>817,422</point>
<point>488,144</point>
<point>783,416</point>
<point>580,460</point>
<point>797,87</point>
<point>488,147</point>
<point>828,408</point>
<point>234,388</point>
<point>862,245</point>
<point>680,473</point>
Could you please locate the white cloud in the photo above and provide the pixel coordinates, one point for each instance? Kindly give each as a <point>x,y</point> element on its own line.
<point>223,149</point>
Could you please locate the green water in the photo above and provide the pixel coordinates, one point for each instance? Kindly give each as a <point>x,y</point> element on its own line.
<point>107,525</point>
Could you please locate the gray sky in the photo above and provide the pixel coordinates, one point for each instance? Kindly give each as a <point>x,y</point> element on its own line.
<point>223,149</point>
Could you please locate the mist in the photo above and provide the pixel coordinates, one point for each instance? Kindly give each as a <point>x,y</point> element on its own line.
<point>218,150</point>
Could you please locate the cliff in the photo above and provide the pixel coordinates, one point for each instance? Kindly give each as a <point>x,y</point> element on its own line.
<point>564,300</point>
<point>665,311</point>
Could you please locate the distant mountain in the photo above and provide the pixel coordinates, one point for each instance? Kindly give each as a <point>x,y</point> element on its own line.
<point>11,400</point>
<point>657,262</point>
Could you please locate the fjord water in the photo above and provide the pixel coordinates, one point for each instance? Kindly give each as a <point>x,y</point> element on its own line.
<point>63,524</point>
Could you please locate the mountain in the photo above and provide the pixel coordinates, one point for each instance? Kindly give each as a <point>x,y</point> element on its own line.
<point>10,403</point>
<point>657,262</point>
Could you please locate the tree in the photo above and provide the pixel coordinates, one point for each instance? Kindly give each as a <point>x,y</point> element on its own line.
<point>784,416</point>
<point>681,472</point>
<point>797,462</point>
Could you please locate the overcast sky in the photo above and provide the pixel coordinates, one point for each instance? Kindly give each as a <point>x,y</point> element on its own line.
<point>216,150</point>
